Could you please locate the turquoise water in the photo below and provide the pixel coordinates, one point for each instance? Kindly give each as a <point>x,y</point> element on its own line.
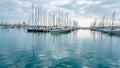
<point>78,49</point>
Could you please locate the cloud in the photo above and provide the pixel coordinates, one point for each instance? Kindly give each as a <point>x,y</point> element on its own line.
<point>58,2</point>
<point>23,3</point>
<point>88,2</point>
<point>83,10</point>
<point>108,6</point>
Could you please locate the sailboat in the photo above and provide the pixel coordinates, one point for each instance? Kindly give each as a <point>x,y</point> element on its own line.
<point>112,30</point>
<point>35,21</point>
<point>2,24</point>
<point>61,28</point>
<point>93,25</point>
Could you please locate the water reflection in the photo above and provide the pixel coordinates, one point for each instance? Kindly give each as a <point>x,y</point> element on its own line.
<point>78,49</point>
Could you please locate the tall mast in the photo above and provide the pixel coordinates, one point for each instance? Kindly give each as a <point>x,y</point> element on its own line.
<point>47,17</point>
<point>71,23</point>
<point>67,20</point>
<point>32,14</point>
<point>59,20</point>
<point>74,22</point>
<point>53,18</point>
<point>62,23</point>
<point>2,21</point>
<point>95,22</point>
<point>103,21</point>
<point>38,16</point>
<point>29,19</point>
<point>113,18</point>
<point>35,16</point>
<point>41,16</point>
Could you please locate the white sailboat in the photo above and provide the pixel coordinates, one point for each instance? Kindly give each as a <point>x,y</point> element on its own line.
<point>60,28</point>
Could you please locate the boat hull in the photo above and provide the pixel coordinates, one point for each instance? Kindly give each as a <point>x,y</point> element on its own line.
<point>37,30</point>
<point>115,32</point>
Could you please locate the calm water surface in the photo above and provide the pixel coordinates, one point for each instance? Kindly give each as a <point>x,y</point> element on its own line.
<point>78,49</point>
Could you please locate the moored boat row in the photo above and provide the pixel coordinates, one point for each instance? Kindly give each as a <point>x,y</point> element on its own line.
<point>42,21</point>
<point>111,29</point>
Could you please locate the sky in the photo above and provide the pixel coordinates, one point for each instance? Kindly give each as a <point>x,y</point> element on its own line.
<point>82,10</point>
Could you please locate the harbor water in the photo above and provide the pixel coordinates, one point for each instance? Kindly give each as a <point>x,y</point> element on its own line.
<point>77,49</point>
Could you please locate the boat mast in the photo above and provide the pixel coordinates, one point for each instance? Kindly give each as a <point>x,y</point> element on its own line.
<point>2,22</point>
<point>62,23</point>
<point>28,22</point>
<point>70,22</point>
<point>35,16</point>
<point>103,21</point>
<point>67,20</point>
<point>32,14</point>
<point>48,18</point>
<point>94,24</point>
<point>41,16</point>
<point>59,20</point>
<point>38,17</point>
<point>53,18</point>
<point>76,24</point>
<point>113,18</point>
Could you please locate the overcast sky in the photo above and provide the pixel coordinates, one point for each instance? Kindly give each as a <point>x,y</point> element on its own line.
<point>83,10</point>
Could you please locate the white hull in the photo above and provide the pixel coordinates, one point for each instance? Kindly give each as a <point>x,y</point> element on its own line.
<point>115,32</point>
<point>61,30</point>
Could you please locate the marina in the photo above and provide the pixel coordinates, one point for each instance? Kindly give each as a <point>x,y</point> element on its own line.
<point>59,34</point>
